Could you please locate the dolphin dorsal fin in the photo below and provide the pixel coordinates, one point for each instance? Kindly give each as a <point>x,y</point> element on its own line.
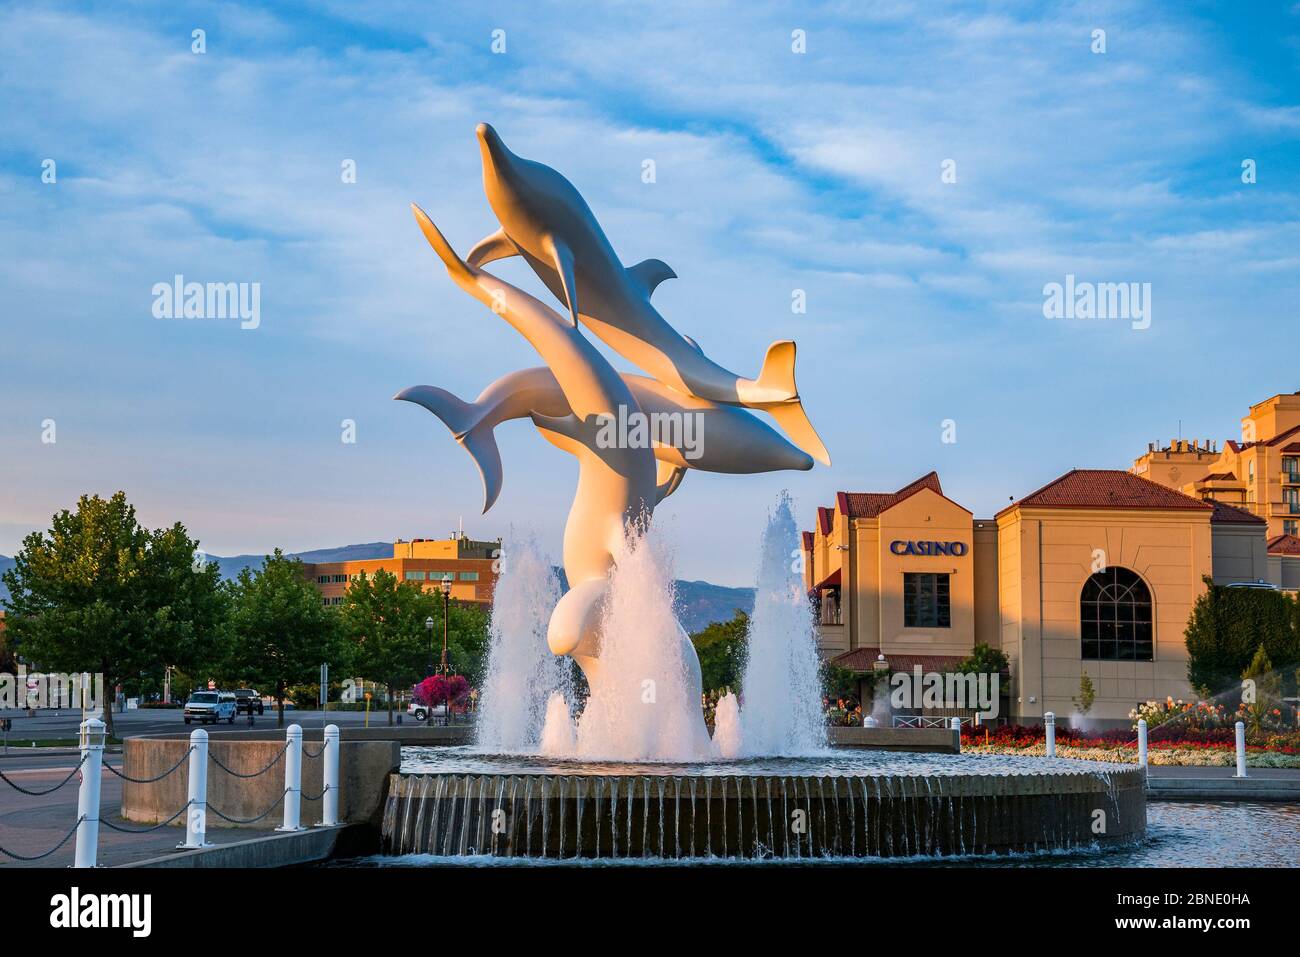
<point>693,344</point>
<point>491,248</point>
<point>649,273</point>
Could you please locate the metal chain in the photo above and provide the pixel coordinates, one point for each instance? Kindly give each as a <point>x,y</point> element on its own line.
<point>19,787</point>
<point>126,777</point>
<point>308,797</point>
<point>274,761</point>
<point>316,754</point>
<point>251,820</point>
<point>145,830</point>
<point>67,837</point>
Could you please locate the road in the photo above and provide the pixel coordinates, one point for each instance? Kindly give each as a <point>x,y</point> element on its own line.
<point>48,725</point>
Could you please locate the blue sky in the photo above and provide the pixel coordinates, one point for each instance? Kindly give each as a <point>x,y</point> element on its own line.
<point>775,171</point>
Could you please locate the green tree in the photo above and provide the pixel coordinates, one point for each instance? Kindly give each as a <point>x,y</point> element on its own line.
<point>720,647</point>
<point>1087,695</point>
<point>984,660</point>
<point>384,620</point>
<point>1227,627</point>
<point>100,593</point>
<point>1261,690</point>
<point>280,631</point>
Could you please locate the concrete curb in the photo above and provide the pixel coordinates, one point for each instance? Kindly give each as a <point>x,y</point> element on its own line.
<point>274,850</point>
<point>1223,789</point>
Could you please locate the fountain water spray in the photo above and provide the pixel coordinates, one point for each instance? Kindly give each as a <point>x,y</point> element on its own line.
<point>643,705</point>
<point>782,678</point>
<point>522,675</point>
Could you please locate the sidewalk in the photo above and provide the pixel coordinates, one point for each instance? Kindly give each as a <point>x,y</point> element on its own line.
<point>32,825</point>
<point>1166,783</point>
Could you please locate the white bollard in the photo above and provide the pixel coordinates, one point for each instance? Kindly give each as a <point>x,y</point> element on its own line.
<point>1241,750</point>
<point>92,749</point>
<point>330,775</point>
<point>1142,742</point>
<point>956,730</point>
<point>1049,725</point>
<point>196,815</point>
<point>293,780</point>
<point>868,722</point>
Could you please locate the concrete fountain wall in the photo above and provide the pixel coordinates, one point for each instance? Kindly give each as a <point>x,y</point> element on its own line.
<point>682,815</point>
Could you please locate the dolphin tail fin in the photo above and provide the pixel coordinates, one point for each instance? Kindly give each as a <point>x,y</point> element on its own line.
<point>562,260</point>
<point>491,248</point>
<point>471,429</point>
<point>777,378</point>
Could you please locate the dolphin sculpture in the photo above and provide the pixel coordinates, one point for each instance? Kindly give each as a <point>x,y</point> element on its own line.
<point>731,440</point>
<point>616,485</point>
<point>545,220</point>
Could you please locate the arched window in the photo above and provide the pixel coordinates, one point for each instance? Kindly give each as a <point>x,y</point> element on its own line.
<point>1115,617</point>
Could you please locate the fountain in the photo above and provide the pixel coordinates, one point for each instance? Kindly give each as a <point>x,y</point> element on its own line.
<point>636,773</point>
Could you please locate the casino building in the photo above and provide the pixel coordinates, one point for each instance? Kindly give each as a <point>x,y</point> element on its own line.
<point>1097,571</point>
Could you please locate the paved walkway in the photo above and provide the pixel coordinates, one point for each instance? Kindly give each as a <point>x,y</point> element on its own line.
<point>32,825</point>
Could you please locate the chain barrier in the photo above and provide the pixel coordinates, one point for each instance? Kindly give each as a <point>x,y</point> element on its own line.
<point>143,830</point>
<point>274,761</point>
<point>126,777</point>
<point>251,820</point>
<point>19,787</point>
<point>314,754</point>
<point>308,797</point>
<point>38,857</point>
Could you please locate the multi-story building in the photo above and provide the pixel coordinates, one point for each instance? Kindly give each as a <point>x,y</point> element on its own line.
<point>1260,474</point>
<point>470,565</point>
<point>1096,572</point>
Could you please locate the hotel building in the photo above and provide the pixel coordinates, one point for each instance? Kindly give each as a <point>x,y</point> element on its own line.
<point>1096,571</point>
<point>1260,474</point>
<point>471,566</point>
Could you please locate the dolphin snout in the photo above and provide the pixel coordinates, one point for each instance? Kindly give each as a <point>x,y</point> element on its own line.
<point>490,145</point>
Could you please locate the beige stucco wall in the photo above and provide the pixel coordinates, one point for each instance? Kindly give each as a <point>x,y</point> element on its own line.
<point>1048,554</point>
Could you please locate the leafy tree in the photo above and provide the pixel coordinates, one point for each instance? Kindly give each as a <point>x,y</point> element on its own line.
<point>384,619</point>
<point>1261,690</point>
<point>100,593</point>
<point>1087,695</point>
<point>1228,626</point>
<point>841,682</point>
<point>281,633</point>
<point>721,650</point>
<point>984,660</point>
<point>467,638</point>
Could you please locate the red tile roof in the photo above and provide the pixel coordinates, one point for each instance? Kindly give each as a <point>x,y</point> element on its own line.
<point>825,519</point>
<point>1284,545</point>
<point>1293,447</point>
<point>862,659</point>
<point>1218,477</point>
<point>808,539</point>
<point>871,504</point>
<point>1107,488</point>
<point>1223,512</point>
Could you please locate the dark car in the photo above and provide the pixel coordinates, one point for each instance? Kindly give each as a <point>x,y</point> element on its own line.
<point>247,701</point>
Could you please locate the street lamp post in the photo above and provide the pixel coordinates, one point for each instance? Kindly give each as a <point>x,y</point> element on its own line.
<point>428,671</point>
<point>445,668</point>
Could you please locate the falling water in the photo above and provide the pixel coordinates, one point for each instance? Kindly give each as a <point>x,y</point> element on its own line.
<point>645,705</point>
<point>782,678</point>
<point>522,674</point>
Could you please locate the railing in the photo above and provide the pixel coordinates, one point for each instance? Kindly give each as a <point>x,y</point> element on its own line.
<point>91,767</point>
<point>926,721</point>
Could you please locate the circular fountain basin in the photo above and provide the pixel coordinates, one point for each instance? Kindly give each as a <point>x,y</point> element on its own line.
<point>853,804</point>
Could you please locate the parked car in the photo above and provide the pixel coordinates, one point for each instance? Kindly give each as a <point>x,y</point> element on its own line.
<point>210,706</point>
<point>420,712</point>
<point>247,701</point>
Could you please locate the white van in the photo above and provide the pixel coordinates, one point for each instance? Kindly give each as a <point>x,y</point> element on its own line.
<point>210,706</point>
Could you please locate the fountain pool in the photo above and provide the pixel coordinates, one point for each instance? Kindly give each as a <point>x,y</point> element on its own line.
<point>460,802</point>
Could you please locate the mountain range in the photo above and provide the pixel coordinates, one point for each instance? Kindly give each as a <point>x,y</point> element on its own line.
<point>699,603</point>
